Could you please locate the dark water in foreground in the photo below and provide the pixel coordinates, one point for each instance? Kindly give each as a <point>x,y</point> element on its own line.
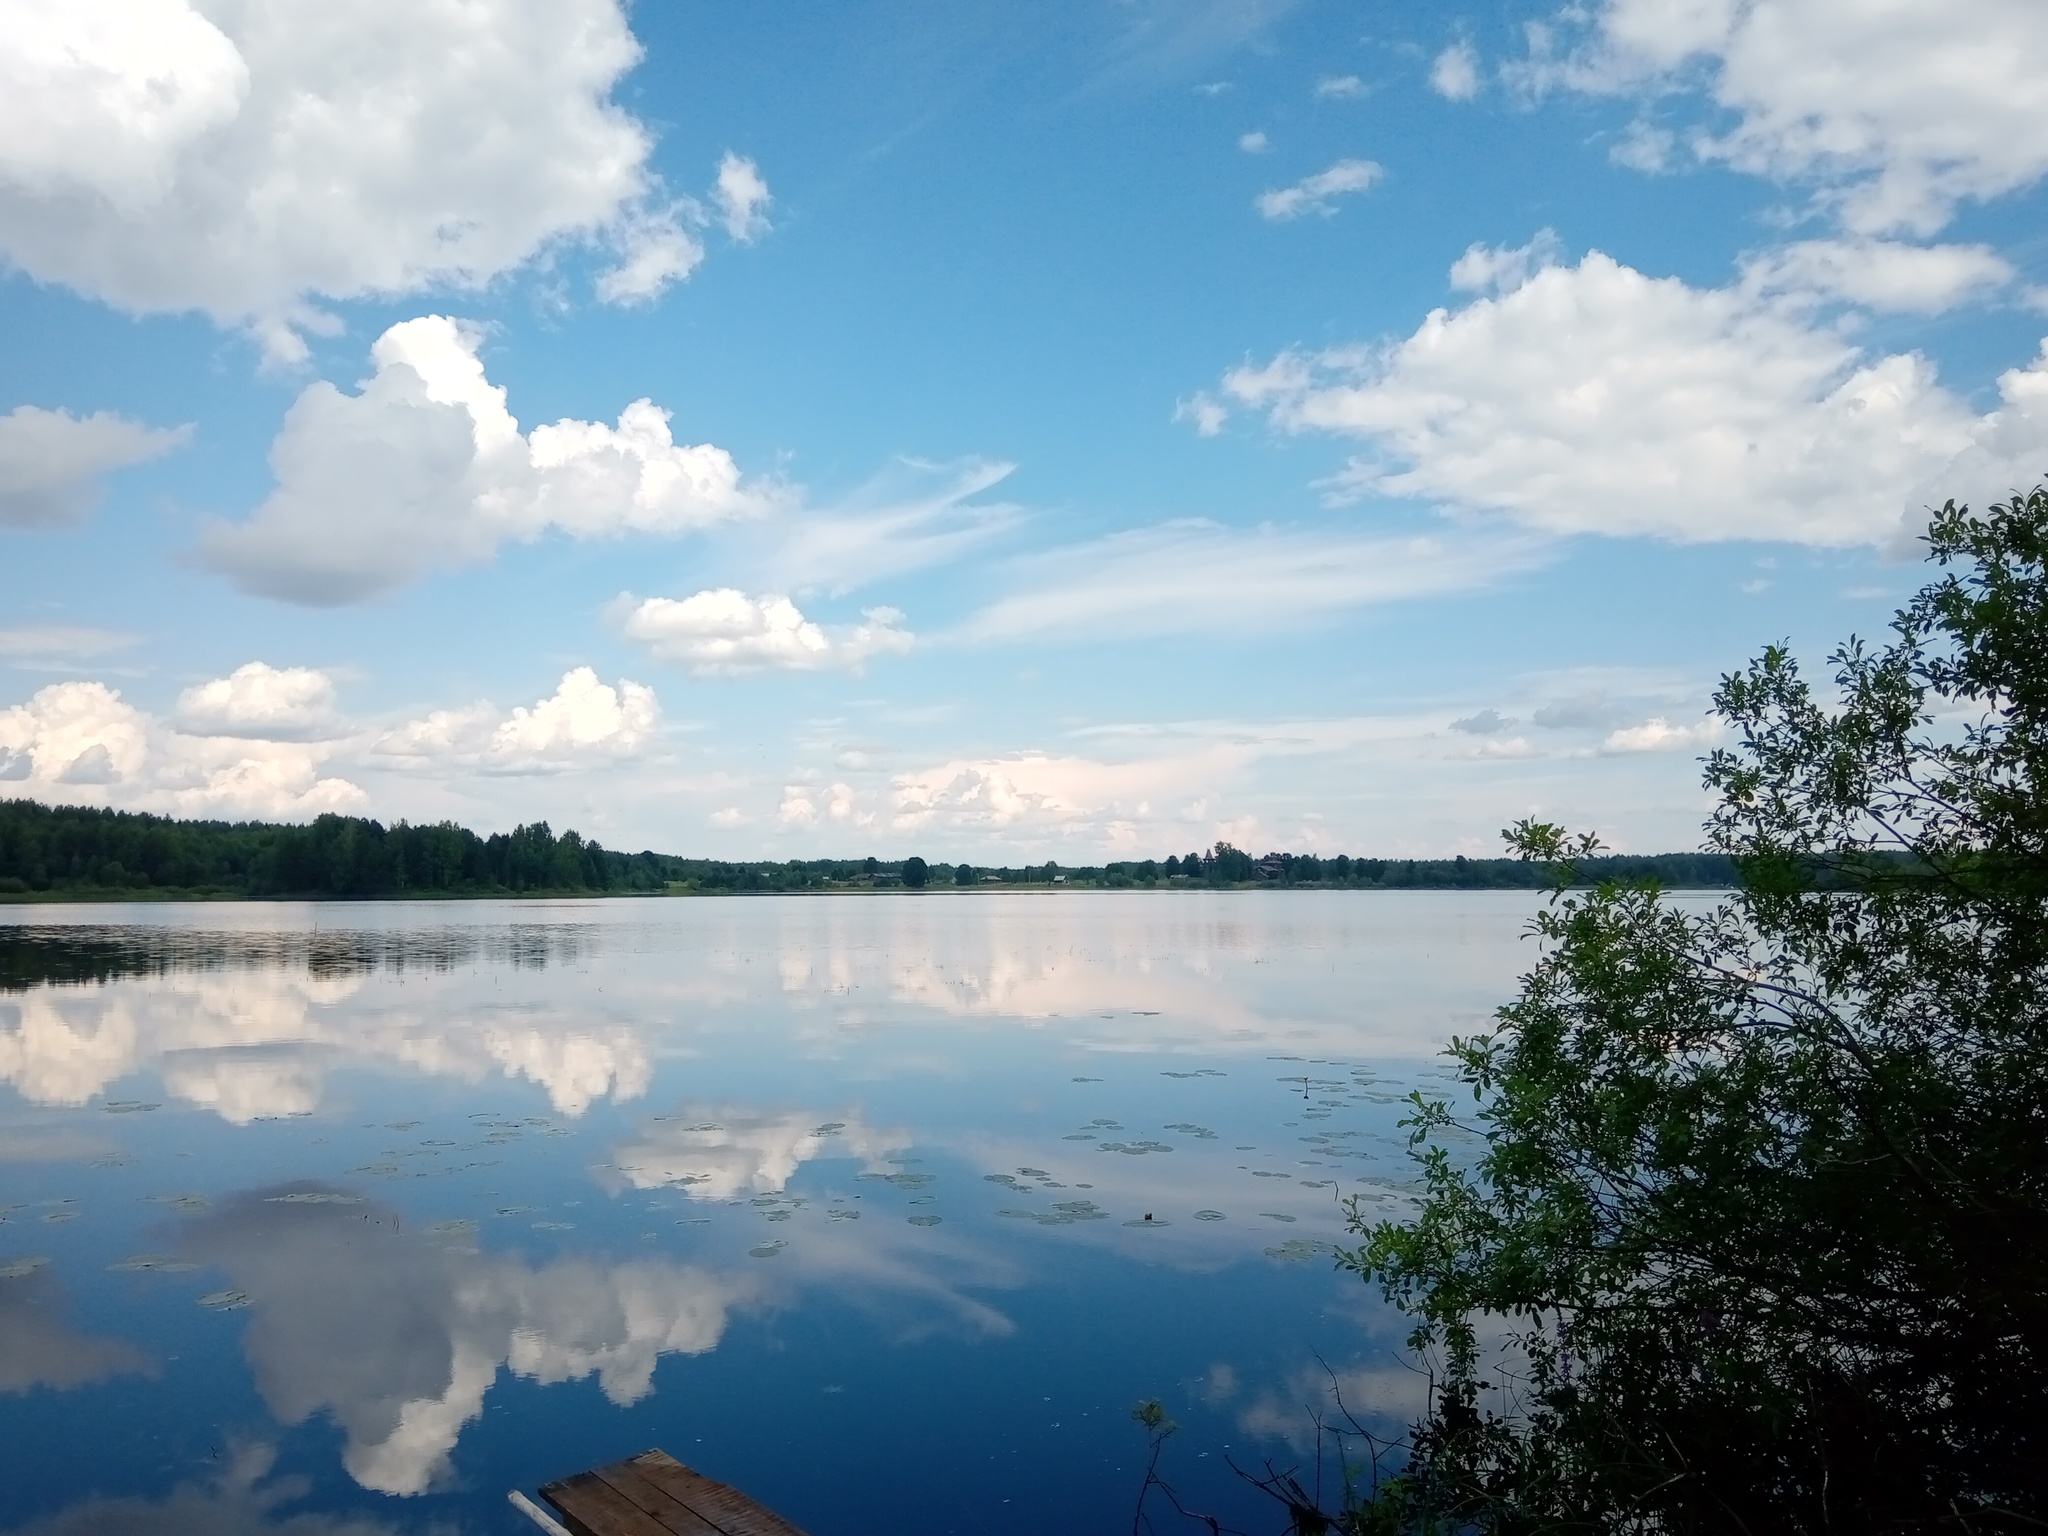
<point>343,1220</point>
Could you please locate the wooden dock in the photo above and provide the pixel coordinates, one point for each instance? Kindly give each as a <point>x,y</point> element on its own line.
<point>653,1494</point>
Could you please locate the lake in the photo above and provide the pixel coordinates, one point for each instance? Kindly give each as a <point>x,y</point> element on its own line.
<point>344,1219</point>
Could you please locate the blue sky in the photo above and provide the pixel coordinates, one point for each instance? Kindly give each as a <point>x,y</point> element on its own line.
<point>994,433</point>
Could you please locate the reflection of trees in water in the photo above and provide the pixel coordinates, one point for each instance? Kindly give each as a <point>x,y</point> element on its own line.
<point>83,954</point>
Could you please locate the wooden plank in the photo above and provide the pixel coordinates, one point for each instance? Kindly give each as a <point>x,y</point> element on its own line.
<point>675,1517</point>
<point>590,1506</point>
<point>732,1512</point>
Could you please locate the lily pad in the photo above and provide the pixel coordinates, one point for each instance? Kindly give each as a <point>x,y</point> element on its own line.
<point>766,1250</point>
<point>313,1197</point>
<point>151,1263</point>
<point>224,1301</point>
<point>1297,1249</point>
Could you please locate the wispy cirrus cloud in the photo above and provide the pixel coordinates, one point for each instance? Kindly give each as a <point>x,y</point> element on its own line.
<point>1197,576</point>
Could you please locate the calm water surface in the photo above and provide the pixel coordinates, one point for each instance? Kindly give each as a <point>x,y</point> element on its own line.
<point>342,1220</point>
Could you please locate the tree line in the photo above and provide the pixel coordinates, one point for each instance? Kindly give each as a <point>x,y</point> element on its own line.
<point>83,851</point>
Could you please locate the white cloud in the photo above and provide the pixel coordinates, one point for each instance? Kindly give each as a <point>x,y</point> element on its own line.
<point>1658,734</point>
<point>248,160</point>
<point>1339,87</point>
<point>1500,268</point>
<point>728,817</point>
<point>47,641</point>
<point>583,714</point>
<point>1896,113</point>
<point>1595,399</point>
<point>261,701</point>
<point>1059,792</point>
<point>51,462</point>
<point>1254,143</point>
<point>914,516</point>
<point>1204,410</point>
<point>81,743</point>
<point>1880,274</point>
<point>743,198</point>
<point>1201,577</point>
<point>583,721</point>
<point>1455,74</point>
<point>655,248</point>
<point>1316,194</point>
<point>798,809</point>
<point>1645,147</point>
<point>723,631</point>
<point>426,468</point>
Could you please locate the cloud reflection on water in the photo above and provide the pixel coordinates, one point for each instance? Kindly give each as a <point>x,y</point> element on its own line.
<point>242,1501</point>
<point>37,1349</point>
<point>909,982</point>
<point>399,1339</point>
<point>717,1151</point>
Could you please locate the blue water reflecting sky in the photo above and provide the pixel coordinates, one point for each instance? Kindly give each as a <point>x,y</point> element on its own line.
<point>346,1219</point>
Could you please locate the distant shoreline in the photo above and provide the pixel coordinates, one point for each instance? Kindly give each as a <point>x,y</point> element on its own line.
<point>73,898</point>
<point>70,854</point>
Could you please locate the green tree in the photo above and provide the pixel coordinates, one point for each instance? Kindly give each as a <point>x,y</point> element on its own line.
<point>916,873</point>
<point>963,874</point>
<point>1757,1236</point>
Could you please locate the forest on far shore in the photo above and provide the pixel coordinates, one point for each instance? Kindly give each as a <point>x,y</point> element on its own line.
<point>79,851</point>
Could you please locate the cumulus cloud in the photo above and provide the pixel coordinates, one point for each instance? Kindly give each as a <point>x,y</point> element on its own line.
<point>261,701</point>
<point>1318,193</point>
<point>1200,577</point>
<point>52,462</point>
<point>1455,74</point>
<point>426,468</point>
<point>1895,114</point>
<point>724,632</point>
<point>1658,734</point>
<point>585,720</point>
<point>1339,87</point>
<point>250,160</point>
<point>1595,399</point>
<point>81,743</point>
<point>1253,143</point>
<point>1879,274</point>
<point>743,198</point>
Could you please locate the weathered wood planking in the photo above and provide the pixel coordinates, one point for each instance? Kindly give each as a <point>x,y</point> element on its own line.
<point>653,1494</point>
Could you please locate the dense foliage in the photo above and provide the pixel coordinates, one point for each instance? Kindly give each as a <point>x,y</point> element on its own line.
<point>1758,1237</point>
<point>78,850</point>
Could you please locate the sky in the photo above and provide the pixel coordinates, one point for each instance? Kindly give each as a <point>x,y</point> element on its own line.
<point>1074,431</point>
